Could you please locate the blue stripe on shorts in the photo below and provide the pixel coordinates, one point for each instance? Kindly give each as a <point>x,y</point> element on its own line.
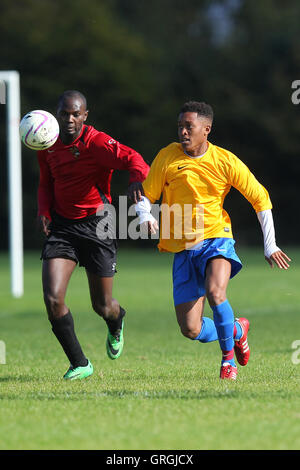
<point>189,267</point>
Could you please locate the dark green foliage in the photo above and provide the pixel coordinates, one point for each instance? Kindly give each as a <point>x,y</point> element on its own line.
<point>138,61</point>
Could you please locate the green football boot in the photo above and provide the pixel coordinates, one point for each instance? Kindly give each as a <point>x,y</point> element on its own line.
<point>115,343</point>
<point>74,373</point>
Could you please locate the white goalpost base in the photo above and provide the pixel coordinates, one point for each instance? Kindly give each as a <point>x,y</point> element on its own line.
<point>10,82</point>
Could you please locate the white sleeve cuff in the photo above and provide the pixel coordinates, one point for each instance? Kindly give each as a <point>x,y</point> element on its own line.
<point>143,210</point>
<point>267,225</point>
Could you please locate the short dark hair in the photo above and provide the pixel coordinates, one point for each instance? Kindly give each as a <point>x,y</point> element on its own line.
<point>72,94</point>
<point>201,108</point>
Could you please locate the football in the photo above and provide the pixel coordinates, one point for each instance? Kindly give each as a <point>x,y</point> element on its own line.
<point>39,130</point>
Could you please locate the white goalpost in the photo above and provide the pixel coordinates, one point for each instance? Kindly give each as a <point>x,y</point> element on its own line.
<point>10,97</point>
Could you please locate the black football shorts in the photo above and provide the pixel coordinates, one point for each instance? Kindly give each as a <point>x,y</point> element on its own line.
<point>78,241</point>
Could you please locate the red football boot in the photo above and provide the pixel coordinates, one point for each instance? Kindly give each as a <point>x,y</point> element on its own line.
<point>241,346</point>
<point>228,371</point>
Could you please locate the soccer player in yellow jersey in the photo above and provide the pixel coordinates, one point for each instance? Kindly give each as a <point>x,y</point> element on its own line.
<point>193,177</point>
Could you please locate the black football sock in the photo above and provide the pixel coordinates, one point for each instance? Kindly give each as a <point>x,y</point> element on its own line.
<point>63,328</point>
<point>115,326</point>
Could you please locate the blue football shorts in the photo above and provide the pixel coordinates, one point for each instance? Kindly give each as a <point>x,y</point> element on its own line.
<point>189,267</point>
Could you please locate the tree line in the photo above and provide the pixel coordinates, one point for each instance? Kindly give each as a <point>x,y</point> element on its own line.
<point>137,62</point>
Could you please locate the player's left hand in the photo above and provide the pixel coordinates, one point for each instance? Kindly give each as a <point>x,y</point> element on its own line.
<point>150,227</point>
<point>280,259</point>
<point>135,191</point>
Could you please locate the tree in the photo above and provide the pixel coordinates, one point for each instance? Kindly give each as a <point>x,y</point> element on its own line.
<point>77,45</point>
<point>138,61</point>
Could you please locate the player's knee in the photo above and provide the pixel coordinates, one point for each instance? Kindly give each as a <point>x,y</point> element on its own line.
<point>54,304</point>
<point>189,332</point>
<point>102,309</point>
<point>215,295</point>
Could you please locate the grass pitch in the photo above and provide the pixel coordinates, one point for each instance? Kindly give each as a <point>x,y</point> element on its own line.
<point>164,391</point>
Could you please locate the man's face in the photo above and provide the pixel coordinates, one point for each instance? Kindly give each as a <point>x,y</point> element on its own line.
<point>71,114</point>
<point>192,131</point>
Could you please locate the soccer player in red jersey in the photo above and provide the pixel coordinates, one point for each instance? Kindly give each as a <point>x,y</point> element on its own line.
<point>75,177</point>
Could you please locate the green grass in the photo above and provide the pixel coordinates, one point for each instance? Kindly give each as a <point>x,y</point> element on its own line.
<point>164,392</point>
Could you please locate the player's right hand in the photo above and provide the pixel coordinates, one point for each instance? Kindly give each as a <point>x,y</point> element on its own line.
<point>43,223</point>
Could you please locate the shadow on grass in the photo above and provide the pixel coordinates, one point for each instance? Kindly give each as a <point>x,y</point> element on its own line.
<point>118,394</point>
<point>19,379</point>
<point>227,392</point>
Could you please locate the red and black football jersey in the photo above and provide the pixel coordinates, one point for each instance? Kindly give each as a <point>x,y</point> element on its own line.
<point>75,179</point>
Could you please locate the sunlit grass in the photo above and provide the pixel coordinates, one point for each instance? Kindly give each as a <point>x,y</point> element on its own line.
<point>164,391</point>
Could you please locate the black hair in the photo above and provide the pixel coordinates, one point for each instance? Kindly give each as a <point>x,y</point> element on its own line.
<point>72,94</point>
<point>201,108</point>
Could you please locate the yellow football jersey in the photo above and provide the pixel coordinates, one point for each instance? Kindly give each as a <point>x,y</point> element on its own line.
<point>193,190</point>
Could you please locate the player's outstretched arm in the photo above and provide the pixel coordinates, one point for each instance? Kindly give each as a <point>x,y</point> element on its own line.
<point>273,254</point>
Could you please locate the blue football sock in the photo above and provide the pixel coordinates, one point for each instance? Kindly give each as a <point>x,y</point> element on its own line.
<point>239,332</point>
<point>208,331</point>
<point>224,321</point>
